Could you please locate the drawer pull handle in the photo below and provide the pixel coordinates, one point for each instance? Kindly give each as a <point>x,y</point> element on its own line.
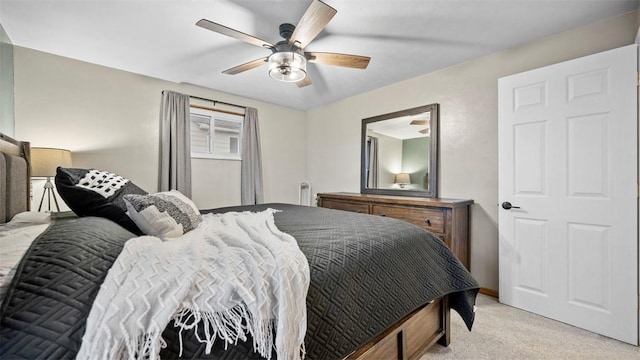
<point>428,222</point>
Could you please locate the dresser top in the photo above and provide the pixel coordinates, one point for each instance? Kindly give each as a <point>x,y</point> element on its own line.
<point>404,200</point>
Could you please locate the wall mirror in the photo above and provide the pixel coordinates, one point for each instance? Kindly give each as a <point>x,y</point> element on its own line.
<point>399,153</point>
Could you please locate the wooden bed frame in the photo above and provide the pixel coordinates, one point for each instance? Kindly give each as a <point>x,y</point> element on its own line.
<point>411,337</point>
<point>408,339</point>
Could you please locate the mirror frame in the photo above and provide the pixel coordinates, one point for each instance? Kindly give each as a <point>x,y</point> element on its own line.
<point>432,191</point>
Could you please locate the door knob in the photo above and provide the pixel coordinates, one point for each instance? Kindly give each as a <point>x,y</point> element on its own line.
<point>507,205</point>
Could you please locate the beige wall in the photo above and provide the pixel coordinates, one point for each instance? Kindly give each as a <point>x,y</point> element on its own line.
<point>467,94</point>
<point>109,119</point>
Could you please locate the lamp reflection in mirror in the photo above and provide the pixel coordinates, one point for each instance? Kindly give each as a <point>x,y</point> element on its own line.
<point>402,179</point>
<point>287,66</point>
<point>44,162</point>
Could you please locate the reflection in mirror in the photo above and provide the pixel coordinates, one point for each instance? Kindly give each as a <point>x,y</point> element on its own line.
<point>399,152</point>
<point>402,145</point>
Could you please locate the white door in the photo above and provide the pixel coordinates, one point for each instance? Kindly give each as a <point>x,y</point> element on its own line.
<point>568,145</point>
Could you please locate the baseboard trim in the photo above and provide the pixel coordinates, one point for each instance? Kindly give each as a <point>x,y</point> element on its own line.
<point>489,292</point>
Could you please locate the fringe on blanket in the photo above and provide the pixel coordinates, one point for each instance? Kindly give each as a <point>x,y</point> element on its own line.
<point>146,346</point>
<point>230,326</point>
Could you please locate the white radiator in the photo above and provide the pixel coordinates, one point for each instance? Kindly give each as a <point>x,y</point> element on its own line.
<point>305,185</point>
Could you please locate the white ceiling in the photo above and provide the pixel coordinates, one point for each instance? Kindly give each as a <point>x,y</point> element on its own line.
<point>401,127</point>
<point>404,38</point>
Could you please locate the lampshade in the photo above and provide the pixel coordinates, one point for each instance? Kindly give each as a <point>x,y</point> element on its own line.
<point>287,66</point>
<point>44,161</point>
<point>403,178</point>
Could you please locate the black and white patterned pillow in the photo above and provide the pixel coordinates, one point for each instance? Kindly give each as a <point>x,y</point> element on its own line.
<point>165,214</point>
<point>102,182</point>
<point>90,192</point>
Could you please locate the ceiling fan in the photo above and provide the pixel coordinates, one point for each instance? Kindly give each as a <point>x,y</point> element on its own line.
<point>425,131</point>
<point>288,60</point>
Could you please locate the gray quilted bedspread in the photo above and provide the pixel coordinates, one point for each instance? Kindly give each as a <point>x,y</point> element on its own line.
<point>367,273</point>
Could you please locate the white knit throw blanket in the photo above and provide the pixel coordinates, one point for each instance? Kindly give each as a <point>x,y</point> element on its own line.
<point>236,274</point>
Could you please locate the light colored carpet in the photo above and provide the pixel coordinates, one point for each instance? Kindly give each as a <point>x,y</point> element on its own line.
<point>504,332</point>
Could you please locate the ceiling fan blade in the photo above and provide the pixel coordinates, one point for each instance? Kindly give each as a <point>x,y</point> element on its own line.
<point>246,66</point>
<point>312,22</point>
<point>304,82</point>
<point>221,29</point>
<point>346,60</point>
<point>419,122</point>
<point>425,131</point>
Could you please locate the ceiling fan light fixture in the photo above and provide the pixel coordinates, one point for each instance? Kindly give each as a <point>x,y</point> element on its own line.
<point>287,66</point>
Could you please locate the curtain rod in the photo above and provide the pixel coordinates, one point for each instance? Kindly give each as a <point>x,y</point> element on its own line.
<point>218,110</point>
<point>215,101</point>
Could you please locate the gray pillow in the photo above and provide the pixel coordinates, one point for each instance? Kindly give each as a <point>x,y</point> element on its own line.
<point>166,214</point>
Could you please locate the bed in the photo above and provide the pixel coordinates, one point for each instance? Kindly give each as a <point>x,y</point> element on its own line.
<point>379,288</point>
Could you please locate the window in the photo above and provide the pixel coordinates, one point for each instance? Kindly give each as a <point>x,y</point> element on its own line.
<point>216,135</point>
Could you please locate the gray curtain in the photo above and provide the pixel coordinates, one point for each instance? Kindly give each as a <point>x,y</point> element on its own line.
<point>251,168</point>
<point>372,174</point>
<point>175,145</point>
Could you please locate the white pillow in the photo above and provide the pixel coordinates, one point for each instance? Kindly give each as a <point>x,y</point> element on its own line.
<point>166,214</point>
<point>32,217</point>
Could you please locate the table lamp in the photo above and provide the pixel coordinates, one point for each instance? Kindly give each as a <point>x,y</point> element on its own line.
<point>44,162</point>
<point>402,179</point>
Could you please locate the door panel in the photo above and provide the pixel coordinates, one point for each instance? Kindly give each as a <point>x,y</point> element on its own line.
<point>589,264</point>
<point>588,155</point>
<point>568,145</point>
<point>531,239</point>
<point>529,158</point>
<point>588,85</point>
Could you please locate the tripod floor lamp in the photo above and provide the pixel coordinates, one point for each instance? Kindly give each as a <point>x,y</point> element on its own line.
<point>44,162</point>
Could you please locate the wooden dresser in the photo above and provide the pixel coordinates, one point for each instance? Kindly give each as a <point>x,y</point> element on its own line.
<point>446,218</point>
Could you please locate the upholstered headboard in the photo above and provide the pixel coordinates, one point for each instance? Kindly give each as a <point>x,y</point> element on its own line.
<point>14,177</point>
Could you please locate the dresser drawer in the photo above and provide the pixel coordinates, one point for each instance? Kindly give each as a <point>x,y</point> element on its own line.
<point>432,220</point>
<point>346,206</point>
